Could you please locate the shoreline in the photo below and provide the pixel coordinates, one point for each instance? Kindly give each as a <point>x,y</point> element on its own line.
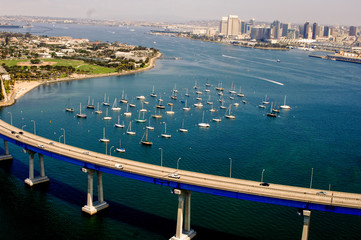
<point>23,87</point>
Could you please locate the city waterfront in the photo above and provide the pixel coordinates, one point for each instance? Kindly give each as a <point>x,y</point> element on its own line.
<point>321,131</point>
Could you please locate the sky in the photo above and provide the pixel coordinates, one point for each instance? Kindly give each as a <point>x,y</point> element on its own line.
<point>332,12</point>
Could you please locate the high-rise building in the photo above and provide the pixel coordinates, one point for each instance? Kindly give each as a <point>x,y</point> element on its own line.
<point>223,26</point>
<point>257,33</point>
<point>285,27</point>
<point>230,26</point>
<point>233,25</point>
<point>315,31</point>
<point>353,31</point>
<point>276,26</point>
<point>306,31</point>
<point>326,31</point>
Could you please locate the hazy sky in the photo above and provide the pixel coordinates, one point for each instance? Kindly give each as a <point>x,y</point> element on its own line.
<point>346,12</point>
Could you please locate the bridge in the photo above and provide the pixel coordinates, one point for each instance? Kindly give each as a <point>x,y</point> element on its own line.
<point>182,182</point>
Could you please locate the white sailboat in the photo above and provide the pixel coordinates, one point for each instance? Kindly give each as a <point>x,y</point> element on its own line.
<point>149,127</point>
<point>124,99</point>
<point>129,130</point>
<point>143,109</point>
<point>118,125</point>
<point>182,129</point>
<point>153,94</point>
<point>203,124</point>
<point>106,103</point>
<point>219,88</point>
<point>195,85</point>
<point>186,108</point>
<point>120,149</point>
<point>186,94</point>
<point>240,94</point>
<point>106,115</point>
<point>265,101</point>
<point>98,111</point>
<point>232,90</point>
<point>209,100</point>
<point>115,107</point>
<point>222,107</point>
<point>80,115</point>
<point>155,115</point>
<point>104,139</point>
<point>140,97</point>
<point>165,135</point>
<point>175,88</point>
<point>171,112</point>
<point>284,106</point>
<point>229,115</point>
<point>217,119</point>
<point>212,109</point>
<point>69,108</point>
<point>141,120</point>
<point>198,105</point>
<point>127,113</point>
<point>146,142</point>
<point>91,106</point>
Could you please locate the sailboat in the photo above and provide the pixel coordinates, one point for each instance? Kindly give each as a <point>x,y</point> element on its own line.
<point>186,108</point>
<point>212,109</point>
<point>104,139</point>
<point>118,125</point>
<point>91,106</point>
<point>175,88</point>
<point>143,109</point>
<point>171,112</point>
<point>98,111</point>
<point>153,94</point>
<point>165,135</point>
<point>275,109</point>
<point>127,113</point>
<point>120,149</point>
<point>146,142</point>
<point>271,114</point>
<point>140,120</point>
<point>155,115</point>
<point>203,124</point>
<point>219,88</point>
<point>149,127</point>
<point>69,108</point>
<point>229,115</point>
<point>182,129</point>
<point>186,94</point>
<point>129,130</point>
<point>265,101</point>
<point>232,91</point>
<point>106,116</point>
<point>217,119</point>
<point>240,94</point>
<point>80,115</point>
<point>284,106</point>
<point>115,107</point>
<point>198,105</point>
<point>209,100</point>
<point>132,104</point>
<point>195,85</point>
<point>106,102</point>
<point>124,99</point>
<point>222,107</point>
<point>160,105</point>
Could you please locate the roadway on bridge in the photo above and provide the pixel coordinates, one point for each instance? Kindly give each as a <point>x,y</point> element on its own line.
<point>276,191</point>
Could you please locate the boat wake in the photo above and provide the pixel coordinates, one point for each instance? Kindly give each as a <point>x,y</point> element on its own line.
<point>269,80</point>
<point>226,56</point>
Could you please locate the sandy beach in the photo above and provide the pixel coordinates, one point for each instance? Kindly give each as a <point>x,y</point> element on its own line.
<point>22,87</point>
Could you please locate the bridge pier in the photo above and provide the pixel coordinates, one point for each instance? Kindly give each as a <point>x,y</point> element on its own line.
<point>94,207</point>
<point>40,179</point>
<point>183,232</point>
<point>7,155</point>
<point>306,223</point>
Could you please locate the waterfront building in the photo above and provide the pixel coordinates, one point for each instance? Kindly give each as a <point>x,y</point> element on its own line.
<point>315,31</point>
<point>233,26</point>
<point>307,34</point>
<point>326,31</point>
<point>353,31</point>
<point>223,26</point>
<point>268,33</point>
<point>276,26</point>
<point>285,27</point>
<point>257,33</point>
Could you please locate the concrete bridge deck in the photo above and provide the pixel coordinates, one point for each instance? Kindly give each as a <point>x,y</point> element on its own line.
<point>300,197</point>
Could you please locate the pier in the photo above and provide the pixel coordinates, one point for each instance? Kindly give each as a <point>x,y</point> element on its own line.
<point>182,184</point>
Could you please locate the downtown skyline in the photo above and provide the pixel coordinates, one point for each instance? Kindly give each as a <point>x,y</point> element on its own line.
<point>323,12</point>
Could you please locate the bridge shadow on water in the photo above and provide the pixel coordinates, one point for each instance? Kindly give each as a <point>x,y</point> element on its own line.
<point>117,212</point>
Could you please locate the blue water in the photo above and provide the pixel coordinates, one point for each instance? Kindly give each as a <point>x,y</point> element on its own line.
<point>321,131</point>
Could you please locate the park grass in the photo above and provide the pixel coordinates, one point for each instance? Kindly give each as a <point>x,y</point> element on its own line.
<point>77,64</point>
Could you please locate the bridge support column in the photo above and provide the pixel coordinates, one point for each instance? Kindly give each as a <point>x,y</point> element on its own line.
<point>36,180</point>
<point>183,232</point>
<point>7,155</point>
<point>306,223</point>
<point>93,207</point>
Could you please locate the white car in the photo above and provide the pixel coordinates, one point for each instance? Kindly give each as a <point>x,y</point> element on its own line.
<point>117,165</point>
<point>174,175</point>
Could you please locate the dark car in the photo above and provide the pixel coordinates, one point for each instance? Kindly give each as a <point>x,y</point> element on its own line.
<point>264,184</point>
<point>21,133</point>
<point>13,132</point>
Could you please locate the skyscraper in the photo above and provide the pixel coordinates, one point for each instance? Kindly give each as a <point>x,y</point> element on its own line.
<point>353,31</point>
<point>285,27</point>
<point>306,31</point>
<point>233,25</point>
<point>326,31</point>
<point>223,26</point>
<point>315,31</point>
<point>276,25</point>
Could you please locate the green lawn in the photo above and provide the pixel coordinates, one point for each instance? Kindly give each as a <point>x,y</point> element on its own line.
<point>78,64</point>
